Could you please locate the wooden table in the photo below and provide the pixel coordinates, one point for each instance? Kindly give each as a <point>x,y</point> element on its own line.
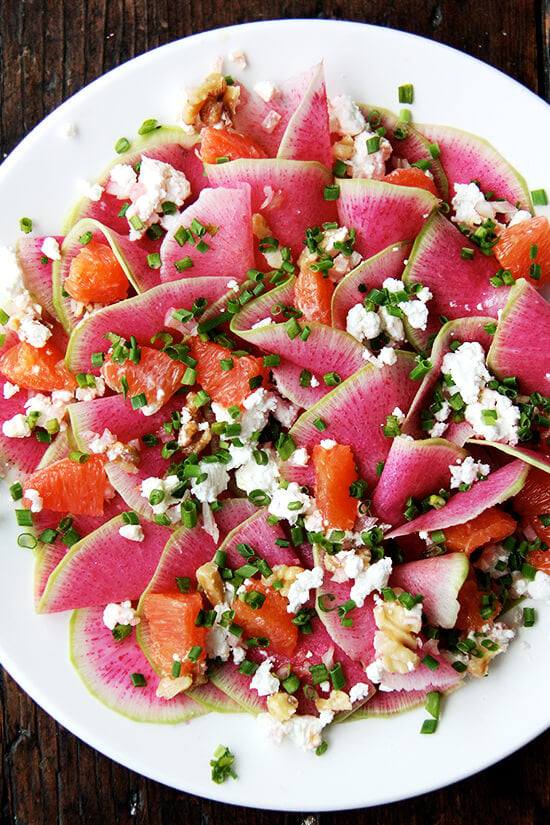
<point>48,51</point>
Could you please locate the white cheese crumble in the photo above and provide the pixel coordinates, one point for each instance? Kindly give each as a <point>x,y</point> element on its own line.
<point>363,324</point>
<point>9,390</point>
<point>133,532</point>
<point>298,593</point>
<point>303,731</point>
<point>345,116</point>
<point>291,495</point>
<point>16,427</point>
<point>266,90</point>
<point>359,691</point>
<point>90,190</point>
<point>157,182</point>
<point>35,499</point>
<point>215,483</point>
<point>50,248</point>
<point>122,613</point>
<point>467,472</point>
<point>374,577</point>
<point>264,682</point>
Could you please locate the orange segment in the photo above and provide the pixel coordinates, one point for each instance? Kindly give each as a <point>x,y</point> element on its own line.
<point>156,375</point>
<point>412,177</point>
<point>231,386</point>
<point>513,249</point>
<point>313,296</point>
<point>69,487</point>
<point>334,472</point>
<point>491,525</point>
<point>225,143</point>
<point>471,604</point>
<point>96,276</point>
<point>270,620</point>
<point>532,501</point>
<point>42,369</point>
<point>171,624</point>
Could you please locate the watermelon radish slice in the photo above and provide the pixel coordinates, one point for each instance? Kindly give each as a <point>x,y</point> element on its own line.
<point>372,393</point>
<point>151,308</point>
<point>301,203</point>
<point>128,482</point>
<point>464,329</point>
<point>307,136</point>
<point>382,213</point>
<point>466,157</point>
<point>37,276</point>
<point>460,287</point>
<point>261,536</point>
<point>105,667</point>
<point>371,273</point>
<point>410,146</point>
<point>413,468</point>
<point>250,117</point>
<point>357,641</point>
<point>22,454</point>
<point>168,144</point>
<point>439,580</point>
<point>389,703</point>
<point>463,506</point>
<point>522,340</point>
<point>531,457</point>
<point>229,249</point>
<point>126,568</point>
<point>260,310</point>
<point>442,678</point>
<point>213,699</point>
<point>325,350</point>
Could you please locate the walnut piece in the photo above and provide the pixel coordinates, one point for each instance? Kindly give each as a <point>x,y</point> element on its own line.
<point>285,574</point>
<point>395,641</point>
<point>194,434</point>
<point>282,706</point>
<point>169,687</point>
<point>343,149</point>
<point>338,700</point>
<point>212,103</point>
<point>209,579</point>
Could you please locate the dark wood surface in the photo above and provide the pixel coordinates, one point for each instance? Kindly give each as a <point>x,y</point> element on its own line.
<point>49,49</point>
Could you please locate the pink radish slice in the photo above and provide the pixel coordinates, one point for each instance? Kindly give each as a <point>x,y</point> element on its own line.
<point>307,136</point>
<point>37,275</point>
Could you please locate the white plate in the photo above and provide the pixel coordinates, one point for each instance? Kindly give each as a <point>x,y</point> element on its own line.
<point>369,762</point>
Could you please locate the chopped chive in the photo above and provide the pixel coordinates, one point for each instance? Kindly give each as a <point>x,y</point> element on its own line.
<point>153,260</point>
<point>320,425</point>
<point>121,631</point>
<point>176,668</point>
<point>70,537</point>
<point>331,192</point>
<point>138,401</point>
<point>533,251</point>
<point>528,616</point>
<point>148,125</point>
<point>181,236</point>
<point>194,653</point>
<point>222,765</point>
<point>430,662</point>
<point>291,684</point>
<point>183,583</point>
<point>332,379</point>
<point>339,169</point>
<point>27,541</point>
<point>535,271</point>
<point>248,668</point>
<point>466,253</point>
<point>373,144</point>
<point>337,676</point>
<point>380,467</point>
<point>429,726</point>
<point>25,225</point>
<point>122,145</point>
<point>271,360</point>
<point>434,150</point>
<point>138,679</point>
<point>16,491</point>
<point>78,457</point>
<point>405,93</point>
<point>136,222</point>
<point>539,197</point>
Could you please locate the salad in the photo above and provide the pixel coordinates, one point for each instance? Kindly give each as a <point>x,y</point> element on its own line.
<point>277,402</point>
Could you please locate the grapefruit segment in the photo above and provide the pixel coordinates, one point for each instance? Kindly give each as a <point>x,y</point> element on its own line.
<point>225,143</point>
<point>271,620</point>
<point>96,276</point>
<point>334,473</point>
<point>514,245</point>
<point>313,296</point>
<point>69,487</point>
<point>156,375</point>
<point>32,368</point>
<point>412,177</point>
<point>172,634</point>
<point>491,525</point>
<point>229,386</point>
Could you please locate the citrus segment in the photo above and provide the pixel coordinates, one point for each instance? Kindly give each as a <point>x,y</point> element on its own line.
<point>225,143</point>
<point>532,504</point>
<point>96,276</point>
<point>170,619</point>
<point>477,607</point>
<point>313,296</point>
<point>156,375</point>
<point>524,244</point>
<point>231,385</point>
<point>271,620</point>
<point>32,368</point>
<point>492,524</point>
<point>412,177</point>
<point>70,487</point>
<point>334,473</point>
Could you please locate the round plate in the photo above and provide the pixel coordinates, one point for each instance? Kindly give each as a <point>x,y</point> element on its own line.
<point>368,762</point>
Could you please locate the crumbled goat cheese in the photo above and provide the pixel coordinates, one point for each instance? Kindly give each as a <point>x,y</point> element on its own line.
<point>101,443</point>
<point>271,121</point>
<point>346,117</point>
<point>16,427</point>
<point>416,313</point>
<point>50,248</point>
<point>68,131</point>
<point>238,57</point>
<point>467,471</point>
<point>539,588</point>
<point>157,182</point>
<point>359,691</point>
<point>393,285</point>
<point>253,476</point>
<point>466,366</point>
<point>233,285</point>
<point>363,324</point>
<point>264,322</point>
<point>299,458</point>
<point>10,390</point>
<point>298,593</point>
<point>328,443</point>
<point>314,381</point>
<point>122,613</point>
<point>35,499</point>
<point>89,393</point>
<point>266,90</point>
<point>254,417</point>
<point>375,671</point>
<point>365,164</point>
<point>90,190</point>
<point>215,483</point>
<point>392,324</point>
<point>25,320</point>
<point>49,407</point>
<point>303,731</point>
<point>133,532</point>
<point>165,485</point>
<point>465,203</point>
<point>505,427</point>
<point>264,682</point>
<point>286,412</point>
<point>282,497</point>
<point>121,180</point>
<point>374,577</point>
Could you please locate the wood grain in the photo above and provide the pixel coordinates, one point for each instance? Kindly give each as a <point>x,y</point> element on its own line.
<point>49,49</point>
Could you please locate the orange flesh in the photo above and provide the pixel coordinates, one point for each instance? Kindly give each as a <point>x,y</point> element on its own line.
<point>334,472</point>
<point>157,376</point>
<point>37,368</point>
<point>513,248</point>
<point>227,387</point>
<point>171,619</point>
<point>491,525</point>
<point>412,177</point>
<point>470,598</point>
<point>313,296</point>
<point>532,501</point>
<point>224,143</point>
<point>96,276</point>
<point>69,487</point>
<point>270,620</point>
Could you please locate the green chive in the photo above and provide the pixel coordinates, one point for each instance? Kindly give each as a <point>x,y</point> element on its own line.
<point>78,457</point>
<point>405,93</point>
<point>429,726</point>
<point>148,125</point>
<point>332,379</point>
<point>25,225</point>
<point>194,653</point>
<point>430,662</point>
<point>153,260</point>
<point>138,679</point>
<point>122,145</point>
<point>539,197</point>
<point>331,192</point>
<point>528,616</point>
<point>373,144</point>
